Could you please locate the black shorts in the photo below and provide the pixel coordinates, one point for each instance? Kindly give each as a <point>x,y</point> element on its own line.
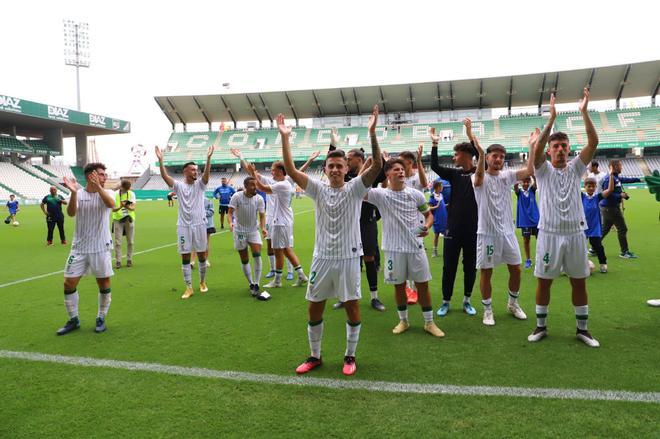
<point>210,230</point>
<point>223,209</point>
<point>529,231</point>
<point>369,236</point>
<point>169,198</point>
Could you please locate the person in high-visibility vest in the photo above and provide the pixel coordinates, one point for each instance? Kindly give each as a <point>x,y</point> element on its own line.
<point>123,219</point>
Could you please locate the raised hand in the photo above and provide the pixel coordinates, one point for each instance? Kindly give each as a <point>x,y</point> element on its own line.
<point>553,110</point>
<point>284,130</point>
<point>386,155</point>
<point>251,169</point>
<point>334,137</point>
<point>94,179</point>
<point>435,138</point>
<point>584,102</point>
<point>533,136</point>
<point>420,151</point>
<point>468,127</point>
<point>314,155</point>
<point>373,120</point>
<point>209,153</point>
<point>71,184</point>
<point>236,153</point>
<point>159,154</point>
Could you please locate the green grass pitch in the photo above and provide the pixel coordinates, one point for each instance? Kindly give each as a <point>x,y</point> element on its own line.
<point>226,329</point>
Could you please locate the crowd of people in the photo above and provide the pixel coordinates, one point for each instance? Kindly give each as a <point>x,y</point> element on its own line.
<point>474,221</point>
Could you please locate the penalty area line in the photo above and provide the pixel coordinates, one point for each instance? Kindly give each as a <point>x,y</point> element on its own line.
<point>336,384</point>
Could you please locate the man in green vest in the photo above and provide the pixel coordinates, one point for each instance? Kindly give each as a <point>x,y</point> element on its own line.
<point>123,219</point>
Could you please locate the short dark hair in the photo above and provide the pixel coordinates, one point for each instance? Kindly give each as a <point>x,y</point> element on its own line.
<point>407,155</point>
<point>437,184</point>
<point>358,152</point>
<point>185,165</point>
<point>496,147</point>
<point>126,184</point>
<point>594,164</point>
<point>91,167</point>
<point>336,153</point>
<point>391,162</point>
<point>279,165</point>
<point>465,147</point>
<point>558,136</point>
<point>248,180</point>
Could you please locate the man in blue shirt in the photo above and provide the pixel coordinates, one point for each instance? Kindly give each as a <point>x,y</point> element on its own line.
<point>223,193</point>
<point>527,214</point>
<point>12,205</point>
<point>610,207</point>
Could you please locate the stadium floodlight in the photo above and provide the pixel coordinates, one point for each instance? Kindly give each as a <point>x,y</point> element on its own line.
<point>76,48</point>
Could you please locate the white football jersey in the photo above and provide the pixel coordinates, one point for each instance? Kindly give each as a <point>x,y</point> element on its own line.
<point>560,202</point>
<point>401,212</point>
<point>413,182</point>
<point>337,218</point>
<point>92,234</point>
<point>269,197</point>
<point>494,203</point>
<point>191,202</point>
<point>245,211</point>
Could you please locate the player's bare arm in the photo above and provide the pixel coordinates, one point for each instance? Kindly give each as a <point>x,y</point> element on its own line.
<point>163,172</point>
<point>71,184</point>
<point>442,171</point>
<point>528,170</point>
<point>260,185</point>
<point>230,216</point>
<point>370,176</point>
<point>207,167</point>
<point>539,156</point>
<point>610,185</point>
<point>299,177</point>
<point>481,161</point>
<point>420,166</point>
<point>310,160</point>
<point>589,150</point>
<point>262,224</point>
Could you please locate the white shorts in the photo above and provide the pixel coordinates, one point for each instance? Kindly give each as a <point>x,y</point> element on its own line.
<point>281,236</point>
<point>191,239</point>
<point>242,239</point>
<point>97,264</point>
<point>555,251</point>
<point>400,267</point>
<point>334,278</point>
<point>496,250</point>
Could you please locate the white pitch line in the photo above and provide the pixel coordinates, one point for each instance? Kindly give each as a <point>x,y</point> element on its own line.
<point>28,279</point>
<point>346,384</point>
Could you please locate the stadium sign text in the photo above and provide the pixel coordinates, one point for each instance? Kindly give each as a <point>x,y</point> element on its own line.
<point>9,103</point>
<point>58,113</point>
<point>97,120</point>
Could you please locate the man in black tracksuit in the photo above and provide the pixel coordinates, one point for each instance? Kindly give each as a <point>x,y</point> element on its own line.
<point>461,231</point>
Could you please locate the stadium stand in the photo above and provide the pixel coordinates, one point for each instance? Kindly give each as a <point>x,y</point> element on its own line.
<point>12,144</point>
<point>58,171</point>
<point>653,162</point>
<point>55,181</point>
<point>23,184</point>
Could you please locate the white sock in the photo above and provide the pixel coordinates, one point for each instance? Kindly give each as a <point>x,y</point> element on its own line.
<point>466,299</point>
<point>352,337</point>
<point>581,316</point>
<point>403,312</point>
<point>271,259</point>
<point>104,303</point>
<point>513,297</point>
<point>71,304</point>
<point>247,271</point>
<point>300,271</point>
<point>373,294</point>
<point>428,316</point>
<point>487,303</point>
<point>278,276</point>
<point>257,268</point>
<point>187,274</point>
<point>315,334</point>
<point>289,267</point>
<point>202,271</point>
<point>541,315</point>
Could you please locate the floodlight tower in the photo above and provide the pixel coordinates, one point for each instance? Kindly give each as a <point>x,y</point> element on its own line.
<point>76,48</point>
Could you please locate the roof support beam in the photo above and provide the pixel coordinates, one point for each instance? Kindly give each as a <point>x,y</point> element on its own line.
<point>206,117</point>
<point>167,115</point>
<point>555,88</point>
<point>592,75</point>
<point>343,102</point>
<point>254,110</point>
<point>655,92</point>
<point>382,98</point>
<point>623,84</point>
<point>510,95</point>
<point>169,101</point>
<point>318,104</point>
<point>233,119</point>
<point>411,99</point>
<point>265,107</point>
<point>541,94</point>
<point>481,93</point>
<point>438,96</point>
<point>293,110</point>
<point>451,96</point>
<point>357,103</point>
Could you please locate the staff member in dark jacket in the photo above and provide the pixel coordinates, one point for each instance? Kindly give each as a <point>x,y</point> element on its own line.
<point>51,206</point>
<point>461,221</point>
<point>610,208</point>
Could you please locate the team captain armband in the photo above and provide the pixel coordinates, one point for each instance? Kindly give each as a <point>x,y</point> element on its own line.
<point>423,208</point>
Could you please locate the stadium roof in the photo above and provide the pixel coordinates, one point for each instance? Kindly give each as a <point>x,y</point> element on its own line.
<point>31,119</point>
<point>611,82</point>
